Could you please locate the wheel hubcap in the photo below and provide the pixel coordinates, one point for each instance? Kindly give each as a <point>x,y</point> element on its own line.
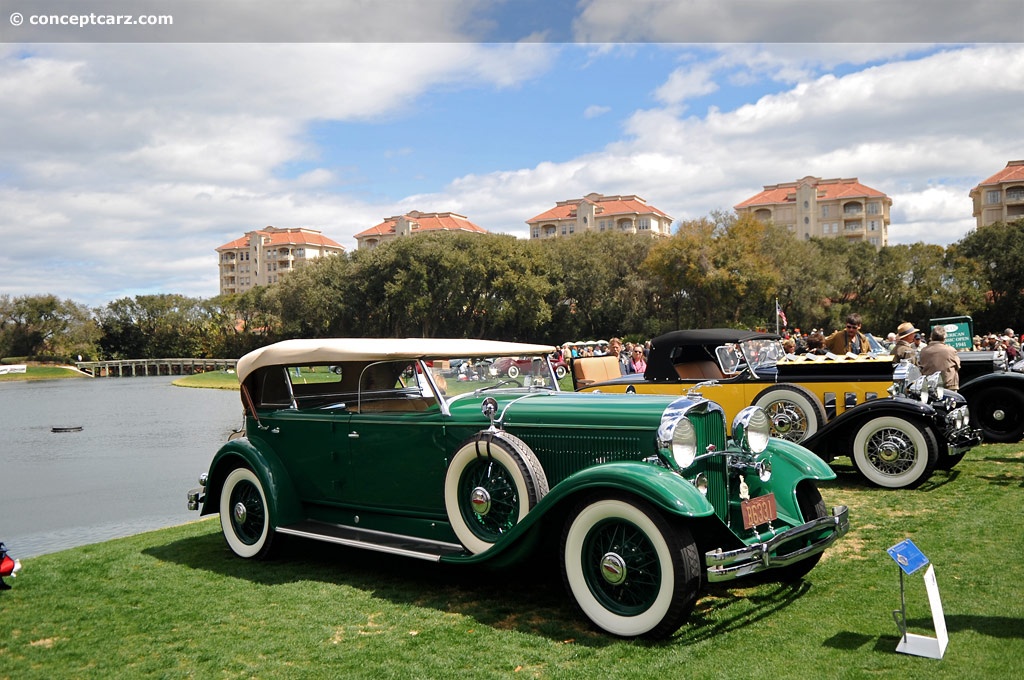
<point>240,512</point>
<point>613,568</point>
<point>891,452</point>
<point>999,414</point>
<point>888,452</point>
<point>480,500</point>
<point>787,421</point>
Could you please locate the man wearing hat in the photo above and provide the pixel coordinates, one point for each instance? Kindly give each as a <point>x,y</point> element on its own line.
<point>904,349</point>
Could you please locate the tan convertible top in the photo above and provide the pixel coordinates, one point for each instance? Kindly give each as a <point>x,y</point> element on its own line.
<point>329,350</point>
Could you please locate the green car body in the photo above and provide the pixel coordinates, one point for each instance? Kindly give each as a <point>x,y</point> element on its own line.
<point>369,444</point>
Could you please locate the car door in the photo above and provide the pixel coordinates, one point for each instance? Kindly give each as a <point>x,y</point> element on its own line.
<point>395,458</point>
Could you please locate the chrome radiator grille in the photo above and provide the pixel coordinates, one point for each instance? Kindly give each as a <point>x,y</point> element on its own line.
<point>710,427</point>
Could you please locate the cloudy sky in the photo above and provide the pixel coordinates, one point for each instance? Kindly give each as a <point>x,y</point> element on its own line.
<point>123,166</point>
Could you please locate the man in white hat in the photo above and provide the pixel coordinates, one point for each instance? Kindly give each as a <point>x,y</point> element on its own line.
<point>904,349</point>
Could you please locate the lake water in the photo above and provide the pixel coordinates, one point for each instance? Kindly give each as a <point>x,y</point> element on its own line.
<point>142,446</point>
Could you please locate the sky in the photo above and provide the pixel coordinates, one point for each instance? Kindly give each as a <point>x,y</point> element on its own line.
<point>125,161</point>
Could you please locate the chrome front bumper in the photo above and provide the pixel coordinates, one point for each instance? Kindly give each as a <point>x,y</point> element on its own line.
<point>726,566</point>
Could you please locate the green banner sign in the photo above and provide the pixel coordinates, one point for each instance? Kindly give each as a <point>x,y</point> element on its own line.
<point>959,330</point>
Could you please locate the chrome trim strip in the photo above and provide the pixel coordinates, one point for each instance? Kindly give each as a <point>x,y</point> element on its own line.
<point>830,405</point>
<point>751,559</point>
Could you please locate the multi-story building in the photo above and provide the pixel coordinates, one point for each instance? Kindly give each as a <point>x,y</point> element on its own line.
<point>1000,198</point>
<point>827,208</point>
<point>412,223</point>
<point>596,213</point>
<point>262,256</point>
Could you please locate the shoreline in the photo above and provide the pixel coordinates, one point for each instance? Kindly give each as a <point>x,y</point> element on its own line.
<point>210,380</point>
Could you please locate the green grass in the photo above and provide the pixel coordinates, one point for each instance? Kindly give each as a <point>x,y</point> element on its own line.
<point>43,373</point>
<point>221,380</point>
<point>176,603</point>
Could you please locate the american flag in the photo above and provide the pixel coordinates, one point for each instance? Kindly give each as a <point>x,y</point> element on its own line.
<point>781,314</point>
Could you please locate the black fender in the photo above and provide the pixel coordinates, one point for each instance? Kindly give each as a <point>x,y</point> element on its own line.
<point>836,437</point>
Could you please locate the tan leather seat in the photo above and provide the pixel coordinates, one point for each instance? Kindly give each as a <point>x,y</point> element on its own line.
<point>595,369</point>
<point>699,370</point>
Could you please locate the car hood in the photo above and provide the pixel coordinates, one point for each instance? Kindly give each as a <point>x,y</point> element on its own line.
<point>594,410</point>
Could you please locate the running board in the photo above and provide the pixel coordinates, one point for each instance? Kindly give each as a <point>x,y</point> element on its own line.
<point>367,539</point>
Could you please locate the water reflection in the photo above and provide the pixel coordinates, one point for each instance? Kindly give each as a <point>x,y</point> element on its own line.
<point>142,445</point>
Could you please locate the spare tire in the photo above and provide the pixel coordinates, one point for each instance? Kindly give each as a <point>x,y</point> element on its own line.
<point>493,481</point>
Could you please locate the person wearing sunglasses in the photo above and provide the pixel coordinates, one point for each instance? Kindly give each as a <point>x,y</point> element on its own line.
<point>849,339</point>
<point>637,362</point>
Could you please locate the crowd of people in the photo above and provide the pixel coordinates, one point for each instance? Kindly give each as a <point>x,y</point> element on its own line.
<point>907,343</point>
<point>632,356</point>
<point>928,350</point>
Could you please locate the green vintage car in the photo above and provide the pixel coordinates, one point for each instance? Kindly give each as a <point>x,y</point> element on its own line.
<point>378,444</point>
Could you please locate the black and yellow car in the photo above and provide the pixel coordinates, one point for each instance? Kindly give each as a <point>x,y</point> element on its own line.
<point>833,405</point>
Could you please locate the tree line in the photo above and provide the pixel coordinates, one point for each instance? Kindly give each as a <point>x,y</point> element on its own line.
<point>720,270</point>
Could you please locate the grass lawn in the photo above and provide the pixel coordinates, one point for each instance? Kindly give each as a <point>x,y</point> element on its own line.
<point>43,373</point>
<point>221,380</point>
<point>176,603</point>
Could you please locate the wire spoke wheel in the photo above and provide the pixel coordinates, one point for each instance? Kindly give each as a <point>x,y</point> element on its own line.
<point>628,568</point>
<point>493,503</point>
<point>244,517</point>
<point>493,481</point>
<point>794,412</point>
<point>893,452</point>
<point>621,567</point>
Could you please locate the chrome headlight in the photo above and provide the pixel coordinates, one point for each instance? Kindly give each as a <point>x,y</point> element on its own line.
<point>936,388</point>
<point>684,443</point>
<point>918,390</point>
<point>701,482</point>
<point>751,429</point>
<point>764,470</point>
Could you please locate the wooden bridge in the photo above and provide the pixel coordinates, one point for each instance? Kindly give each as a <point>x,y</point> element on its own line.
<point>127,368</point>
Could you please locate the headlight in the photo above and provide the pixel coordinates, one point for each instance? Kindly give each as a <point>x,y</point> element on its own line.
<point>684,443</point>
<point>918,389</point>
<point>751,429</point>
<point>701,482</point>
<point>936,387</point>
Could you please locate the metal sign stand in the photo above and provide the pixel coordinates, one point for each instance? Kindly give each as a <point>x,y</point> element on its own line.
<point>910,559</point>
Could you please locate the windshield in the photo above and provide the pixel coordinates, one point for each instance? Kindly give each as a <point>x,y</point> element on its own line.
<point>762,353</point>
<point>461,375</point>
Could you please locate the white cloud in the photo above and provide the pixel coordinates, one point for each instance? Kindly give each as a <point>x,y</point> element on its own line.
<point>116,156</point>
<point>594,111</point>
<point>693,80</point>
<point>791,21</point>
<point>900,128</point>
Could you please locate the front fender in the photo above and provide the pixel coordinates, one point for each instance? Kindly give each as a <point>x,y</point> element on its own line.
<point>832,439</point>
<point>662,487</point>
<point>665,489</point>
<point>277,484</point>
<point>1003,379</point>
<point>799,463</point>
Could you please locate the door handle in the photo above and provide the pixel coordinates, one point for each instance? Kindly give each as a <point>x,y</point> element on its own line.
<point>353,435</point>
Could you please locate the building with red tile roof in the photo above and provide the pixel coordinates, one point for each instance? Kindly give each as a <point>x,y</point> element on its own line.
<point>826,208</point>
<point>1000,198</point>
<point>594,212</point>
<point>262,256</point>
<point>412,223</point>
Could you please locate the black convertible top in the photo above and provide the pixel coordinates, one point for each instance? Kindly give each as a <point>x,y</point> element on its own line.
<point>692,345</point>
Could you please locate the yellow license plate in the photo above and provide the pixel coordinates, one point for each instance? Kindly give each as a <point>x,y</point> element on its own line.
<point>760,510</point>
